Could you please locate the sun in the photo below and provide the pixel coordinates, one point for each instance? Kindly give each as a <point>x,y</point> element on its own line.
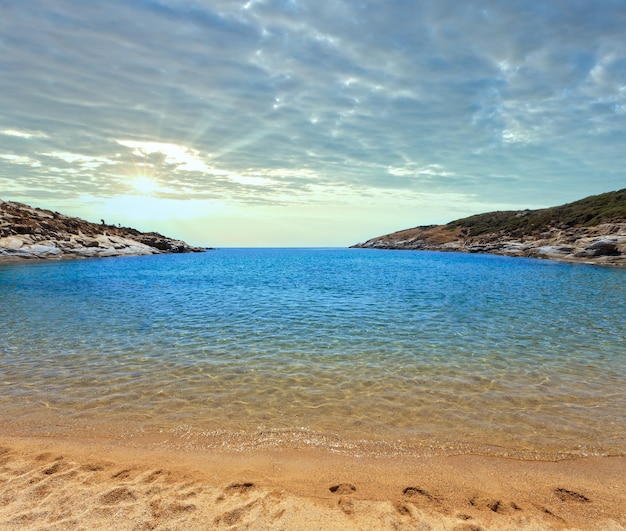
<point>144,185</point>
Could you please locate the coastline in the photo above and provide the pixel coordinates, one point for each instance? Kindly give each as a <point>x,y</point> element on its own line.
<point>591,230</point>
<point>28,234</point>
<point>601,245</point>
<point>547,254</point>
<point>98,483</point>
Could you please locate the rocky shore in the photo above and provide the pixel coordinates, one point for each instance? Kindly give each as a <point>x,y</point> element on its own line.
<point>33,233</point>
<point>603,244</point>
<point>592,230</point>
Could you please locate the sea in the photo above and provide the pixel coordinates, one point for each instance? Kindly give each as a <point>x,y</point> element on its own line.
<point>357,351</point>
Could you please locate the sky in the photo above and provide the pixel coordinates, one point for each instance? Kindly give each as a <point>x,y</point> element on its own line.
<point>249,123</point>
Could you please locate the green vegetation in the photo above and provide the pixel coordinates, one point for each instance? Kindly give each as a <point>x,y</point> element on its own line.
<point>593,210</point>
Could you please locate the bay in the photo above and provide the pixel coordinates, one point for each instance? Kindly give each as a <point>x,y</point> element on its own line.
<point>351,349</point>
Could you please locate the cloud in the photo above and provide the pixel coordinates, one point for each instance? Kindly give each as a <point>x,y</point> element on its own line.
<point>23,134</point>
<point>20,160</point>
<point>185,159</point>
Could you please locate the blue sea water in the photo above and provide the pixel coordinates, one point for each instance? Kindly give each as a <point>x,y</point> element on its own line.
<point>350,349</point>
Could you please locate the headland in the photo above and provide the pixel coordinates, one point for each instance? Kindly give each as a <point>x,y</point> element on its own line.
<point>34,233</point>
<point>592,230</point>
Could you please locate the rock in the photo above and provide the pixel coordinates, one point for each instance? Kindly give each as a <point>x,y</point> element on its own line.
<point>590,230</point>
<point>157,243</point>
<point>600,247</point>
<point>27,232</point>
<point>552,250</point>
<point>602,244</point>
<point>11,243</point>
<point>23,229</point>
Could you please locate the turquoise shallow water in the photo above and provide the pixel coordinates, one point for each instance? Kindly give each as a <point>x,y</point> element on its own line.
<point>346,348</point>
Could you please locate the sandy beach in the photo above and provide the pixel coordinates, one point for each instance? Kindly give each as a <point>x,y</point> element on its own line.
<point>54,484</point>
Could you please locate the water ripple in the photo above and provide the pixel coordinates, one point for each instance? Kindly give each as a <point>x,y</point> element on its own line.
<point>365,345</point>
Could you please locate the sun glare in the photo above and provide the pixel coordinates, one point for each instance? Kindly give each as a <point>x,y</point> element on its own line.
<point>144,185</point>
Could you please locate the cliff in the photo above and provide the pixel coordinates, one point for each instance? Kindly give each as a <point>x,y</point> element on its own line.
<point>591,230</point>
<point>27,232</point>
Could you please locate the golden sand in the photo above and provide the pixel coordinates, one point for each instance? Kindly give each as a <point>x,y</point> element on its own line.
<point>56,484</point>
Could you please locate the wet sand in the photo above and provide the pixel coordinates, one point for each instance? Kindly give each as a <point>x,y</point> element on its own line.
<point>55,483</point>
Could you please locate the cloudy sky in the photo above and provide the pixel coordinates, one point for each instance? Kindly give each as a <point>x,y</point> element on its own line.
<point>308,122</point>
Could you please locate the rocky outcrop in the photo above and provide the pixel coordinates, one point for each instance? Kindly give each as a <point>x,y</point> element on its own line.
<point>27,233</point>
<point>548,233</point>
<point>602,244</point>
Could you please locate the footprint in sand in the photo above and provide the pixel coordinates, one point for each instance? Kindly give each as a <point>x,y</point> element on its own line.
<point>91,467</point>
<point>414,495</point>
<point>122,474</point>
<point>153,476</point>
<point>419,496</point>
<point>235,516</point>
<point>343,488</point>
<point>346,505</point>
<point>117,495</point>
<point>159,508</point>
<point>402,508</point>
<point>570,495</point>
<point>236,488</point>
<point>231,517</point>
<point>239,488</point>
<point>416,492</point>
<point>56,467</point>
<point>548,512</point>
<point>497,506</point>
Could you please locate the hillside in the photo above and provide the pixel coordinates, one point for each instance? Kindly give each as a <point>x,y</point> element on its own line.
<point>27,232</point>
<point>589,230</point>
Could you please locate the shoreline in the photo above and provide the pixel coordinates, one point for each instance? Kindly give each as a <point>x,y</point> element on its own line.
<point>618,262</point>
<point>602,261</point>
<point>29,233</point>
<point>183,437</point>
<point>60,482</point>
